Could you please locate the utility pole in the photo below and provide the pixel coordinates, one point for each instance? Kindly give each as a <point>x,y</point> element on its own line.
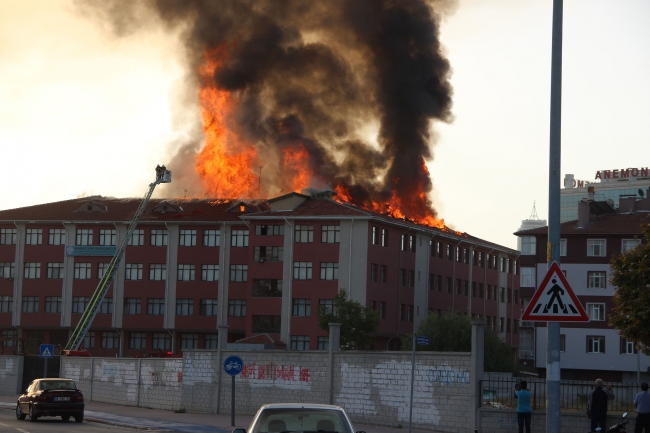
<point>553,420</point>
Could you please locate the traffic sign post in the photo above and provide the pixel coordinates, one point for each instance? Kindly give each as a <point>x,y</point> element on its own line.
<point>46,351</point>
<point>554,300</point>
<point>233,365</point>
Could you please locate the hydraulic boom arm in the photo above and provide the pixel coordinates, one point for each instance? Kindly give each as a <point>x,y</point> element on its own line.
<point>162,176</point>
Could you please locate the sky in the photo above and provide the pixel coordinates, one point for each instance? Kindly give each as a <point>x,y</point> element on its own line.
<point>83,112</point>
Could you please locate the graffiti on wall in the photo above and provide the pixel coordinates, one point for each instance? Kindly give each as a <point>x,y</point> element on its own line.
<point>274,375</point>
<point>448,375</point>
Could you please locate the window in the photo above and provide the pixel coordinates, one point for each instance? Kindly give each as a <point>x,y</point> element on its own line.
<point>156,306</point>
<point>9,334</point>
<point>501,324</point>
<point>449,283</point>
<point>465,288</point>
<point>301,307</point>
<point>133,271</point>
<point>474,290</point>
<point>82,271</point>
<point>596,247</point>
<point>382,310</point>
<point>79,304</point>
<point>106,307</point>
<point>323,343</point>
<point>32,270</point>
<point>409,313</point>
<point>138,340</point>
<point>440,249</point>
<point>266,324</point>
<point>373,272</point>
<point>52,304</point>
<point>402,277</point>
<point>184,307</point>
<point>628,347</point>
<point>458,254</point>
<point>563,247</point>
<point>373,305</point>
<point>595,344</point>
<point>161,341</point>
<point>405,242</point>
<point>137,238</point>
<point>267,288</point>
<point>466,256</point>
<point>411,278</point>
<point>186,273</point>
<point>131,305</point>
<point>330,234</point>
<point>304,233</point>
<point>238,273</point>
<point>239,238</point>
<point>528,277</point>
<point>504,267</point>
<point>157,272</point>
<point>107,237</point>
<point>597,280</point>
<point>56,237</point>
<point>302,270</point>
<point>6,304</point>
<point>7,269</point>
<point>55,270</point>
<point>629,244</point>
<point>8,236</point>
<point>448,254</point>
<point>211,238</point>
<point>502,294</point>
<point>187,238</point>
<point>480,290</point>
<point>30,304</point>
<point>299,342</point>
<point>189,341</point>
<point>383,274</point>
<point>34,237</point>
<point>528,245</point>
<point>84,237</point>
<point>516,298</point>
<point>375,235</point>
<point>211,341</point>
<point>209,272</point>
<point>269,230</point>
<point>158,238</point>
<point>596,312</point>
<point>402,312</point>
<point>438,283</point>
<point>329,271</point>
<point>101,269</point>
<point>89,340</point>
<point>208,307</point>
<point>430,282</point>
<point>237,307</point>
<point>110,340</point>
<point>384,237</point>
<point>268,254</point>
<point>327,305</point>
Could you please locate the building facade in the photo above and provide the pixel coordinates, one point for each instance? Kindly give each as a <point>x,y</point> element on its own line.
<point>192,266</point>
<point>592,349</point>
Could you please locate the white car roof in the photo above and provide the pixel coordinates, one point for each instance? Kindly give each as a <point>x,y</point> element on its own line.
<point>300,406</point>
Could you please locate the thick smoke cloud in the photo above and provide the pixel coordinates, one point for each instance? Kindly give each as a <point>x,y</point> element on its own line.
<point>319,73</point>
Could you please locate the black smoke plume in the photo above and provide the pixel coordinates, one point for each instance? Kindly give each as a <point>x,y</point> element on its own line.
<point>326,73</point>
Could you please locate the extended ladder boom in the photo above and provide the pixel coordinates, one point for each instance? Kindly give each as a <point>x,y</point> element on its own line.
<point>162,176</point>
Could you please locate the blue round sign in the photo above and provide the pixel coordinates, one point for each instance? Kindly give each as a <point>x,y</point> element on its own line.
<point>233,365</point>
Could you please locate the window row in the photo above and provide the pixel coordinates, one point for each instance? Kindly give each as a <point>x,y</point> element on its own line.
<point>594,280</point>
<point>462,288</point>
<point>138,340</point>
<point>595,247</point>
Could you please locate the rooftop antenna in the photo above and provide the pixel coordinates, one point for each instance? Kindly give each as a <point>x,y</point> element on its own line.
<point>533,213</point>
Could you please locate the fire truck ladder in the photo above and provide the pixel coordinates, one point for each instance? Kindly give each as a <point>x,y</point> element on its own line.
<point>162,176</point>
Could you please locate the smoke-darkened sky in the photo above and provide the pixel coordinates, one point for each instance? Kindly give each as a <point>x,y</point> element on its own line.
<point>85,111</point>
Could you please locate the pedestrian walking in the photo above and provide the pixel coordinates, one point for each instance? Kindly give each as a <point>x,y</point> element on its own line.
<point>523,406</point>
<point>597,405</point>
<point>642,405</point>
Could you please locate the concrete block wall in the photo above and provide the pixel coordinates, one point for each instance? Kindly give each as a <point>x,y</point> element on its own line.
<point>11,374</point>
<point>152,383</point>
<point>374,388</point>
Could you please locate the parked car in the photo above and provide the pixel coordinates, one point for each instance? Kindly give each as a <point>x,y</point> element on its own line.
<point>298,417</point>
<point>51,397</point>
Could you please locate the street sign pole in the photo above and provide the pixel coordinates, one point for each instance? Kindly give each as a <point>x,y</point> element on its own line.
<point>45,369</point>
<point>233,366</point>
<point>553,420</point>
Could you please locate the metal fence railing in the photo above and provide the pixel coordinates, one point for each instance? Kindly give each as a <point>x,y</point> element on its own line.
<point>499,393</point>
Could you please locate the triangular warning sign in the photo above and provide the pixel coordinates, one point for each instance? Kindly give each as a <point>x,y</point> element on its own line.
<point>46,353</point>
<point>554,300</point>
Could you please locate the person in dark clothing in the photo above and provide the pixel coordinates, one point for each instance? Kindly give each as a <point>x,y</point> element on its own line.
<point>597,405</point>
<point>642,405</point>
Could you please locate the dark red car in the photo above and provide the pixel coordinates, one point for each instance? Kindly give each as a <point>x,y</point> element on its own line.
<point>51,397</point>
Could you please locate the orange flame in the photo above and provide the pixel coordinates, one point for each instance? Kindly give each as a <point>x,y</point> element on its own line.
<point>295,161</point>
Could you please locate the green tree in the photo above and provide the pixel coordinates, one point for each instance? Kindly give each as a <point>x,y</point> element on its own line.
<point>357,322</point>
<point>453,333</point>
<point>631,277</point>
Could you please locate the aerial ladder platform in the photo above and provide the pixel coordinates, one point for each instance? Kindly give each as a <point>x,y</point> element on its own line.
<point>72,348</point>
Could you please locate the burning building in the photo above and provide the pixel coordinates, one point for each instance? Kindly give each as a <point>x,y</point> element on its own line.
<point>196,271</point>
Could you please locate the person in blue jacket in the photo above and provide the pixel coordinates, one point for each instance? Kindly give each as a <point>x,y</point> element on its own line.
<point>523,406</point>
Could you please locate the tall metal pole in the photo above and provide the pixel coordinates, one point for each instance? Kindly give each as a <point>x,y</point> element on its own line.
<point>412,382</point>
<point>553,420</point>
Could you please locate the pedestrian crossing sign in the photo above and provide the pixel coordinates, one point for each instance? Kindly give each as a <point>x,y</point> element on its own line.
<point>46,351</point>
<point>554,300</point>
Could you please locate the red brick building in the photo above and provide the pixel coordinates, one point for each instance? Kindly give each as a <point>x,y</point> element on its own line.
<point>257,267</point>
